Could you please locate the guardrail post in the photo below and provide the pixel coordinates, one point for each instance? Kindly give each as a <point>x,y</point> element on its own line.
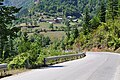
<point>5,72</point>
<point>3,68</point>
<point>45,62</point>
<point>1,73</point>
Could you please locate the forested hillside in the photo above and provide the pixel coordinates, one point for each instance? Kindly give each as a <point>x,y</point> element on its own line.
<point>69,7</point>
<point>66,7</point>
<point>19,3</point>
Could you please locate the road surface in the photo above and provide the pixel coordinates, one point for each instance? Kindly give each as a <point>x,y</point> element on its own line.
<point>95,66</point>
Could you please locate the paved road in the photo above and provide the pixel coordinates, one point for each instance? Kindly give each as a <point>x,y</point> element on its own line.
<point>95,66</point>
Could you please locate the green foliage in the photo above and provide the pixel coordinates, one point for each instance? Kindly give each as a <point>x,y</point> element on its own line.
<point>102,11</point>
<point>32,50</point>
<point>7,15</point>
<point>33,57</point>
<point>95,22</point>
<point>51,26</point>
<point>56,7</point>
<point>71,36</point>
<point>25,43</point>
<point>114,8</point>
<point>87,25</point>
<point>102,37</point>
<point>95,33</point>
<point>19,61</point>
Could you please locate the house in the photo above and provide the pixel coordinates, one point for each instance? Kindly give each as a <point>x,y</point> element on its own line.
<point>58,20</point>
<point>75,20</point>
<point>41,20</point>
<point>69,17</point>
<point>36,1</point>
<point>50,21</point>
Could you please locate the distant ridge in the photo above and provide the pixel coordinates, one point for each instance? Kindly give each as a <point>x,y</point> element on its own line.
<point>19,3</point>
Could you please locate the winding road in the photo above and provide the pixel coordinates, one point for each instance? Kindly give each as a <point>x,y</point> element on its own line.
<point>95,66</point>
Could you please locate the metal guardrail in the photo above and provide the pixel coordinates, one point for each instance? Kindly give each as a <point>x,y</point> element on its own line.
<point>3,68</point>
<point>63,57</point>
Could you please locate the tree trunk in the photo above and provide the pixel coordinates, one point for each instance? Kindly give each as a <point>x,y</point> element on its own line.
<point>1,47</point>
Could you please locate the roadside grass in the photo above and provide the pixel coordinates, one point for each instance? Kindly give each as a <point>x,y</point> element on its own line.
<point>14,72</point>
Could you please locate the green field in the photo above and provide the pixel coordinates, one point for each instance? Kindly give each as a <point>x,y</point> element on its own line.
<point>45,26</point>
<point>54,35</point>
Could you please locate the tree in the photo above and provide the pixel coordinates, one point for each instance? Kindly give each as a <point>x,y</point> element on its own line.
<point>102,11</point>
<point>95,22</point>
<point>86,25</point>
<point>51,26</point>
<point>7,15</point>
<point>67,23</point>
<point>62,45</point>
<point>113,8</point>
<point>75,33</point>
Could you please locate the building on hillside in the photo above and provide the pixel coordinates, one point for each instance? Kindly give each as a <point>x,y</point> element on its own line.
<point>55,21</point>
<point>51,21</point>
<point>69,17</point>
<point>75,20</point>
<point>36,1</point>
<point>58,20</point>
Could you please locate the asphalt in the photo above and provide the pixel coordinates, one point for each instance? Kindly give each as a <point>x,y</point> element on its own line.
<point>95,66</point>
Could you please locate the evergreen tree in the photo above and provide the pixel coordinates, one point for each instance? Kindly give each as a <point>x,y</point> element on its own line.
<point>6,18</point>
<point>51,26</point>
<point>116,7</point>
<point>102,11</point>
<point>113,8</point>
<point>86,25</point>
<point>95,22</point>
<point>75,32</point>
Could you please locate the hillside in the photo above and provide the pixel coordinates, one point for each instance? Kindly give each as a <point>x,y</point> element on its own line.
<point>104,38</point>
<point>58,7</point>
<point>69,7</point>
<point>19,3</point>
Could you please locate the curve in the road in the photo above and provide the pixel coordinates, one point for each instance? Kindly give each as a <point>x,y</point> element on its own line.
<point>95,66</point>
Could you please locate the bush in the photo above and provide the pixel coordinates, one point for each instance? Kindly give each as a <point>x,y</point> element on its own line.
<point>19,61</point>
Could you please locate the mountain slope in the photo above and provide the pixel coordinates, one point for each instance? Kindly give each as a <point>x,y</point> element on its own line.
<point>19,3</point>
<point>67,7</point>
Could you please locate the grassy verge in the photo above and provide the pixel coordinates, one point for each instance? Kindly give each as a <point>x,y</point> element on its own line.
<point>13,72</point>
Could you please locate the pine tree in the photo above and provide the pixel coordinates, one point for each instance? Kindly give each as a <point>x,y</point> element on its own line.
<point>113,8</point>
<point>6,18</point>
<point>75,33</point>
<point>102,11</point>
<point>86,25</point>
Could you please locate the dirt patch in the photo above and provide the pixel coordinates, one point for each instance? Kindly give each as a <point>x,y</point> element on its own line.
<point>118,50</point>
